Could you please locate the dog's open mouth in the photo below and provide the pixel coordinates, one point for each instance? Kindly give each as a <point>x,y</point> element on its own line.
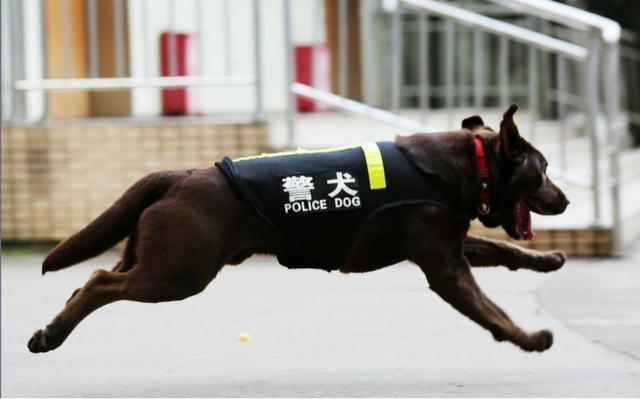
<point>522,218</point>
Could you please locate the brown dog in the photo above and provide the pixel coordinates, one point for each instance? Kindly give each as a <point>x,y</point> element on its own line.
<point>184,226</point>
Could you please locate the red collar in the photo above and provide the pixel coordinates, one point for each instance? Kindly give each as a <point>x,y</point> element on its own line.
<point>483,177</point>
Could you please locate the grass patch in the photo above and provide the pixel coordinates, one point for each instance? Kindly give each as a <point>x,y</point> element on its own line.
<point>21,248</point>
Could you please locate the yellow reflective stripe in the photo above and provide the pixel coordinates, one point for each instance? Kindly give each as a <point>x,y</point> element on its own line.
<point>299,151</point>
<point>375,166</point>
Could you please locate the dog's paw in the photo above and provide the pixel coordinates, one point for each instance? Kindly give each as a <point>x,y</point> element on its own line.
<point>553,260</point>
<point>539,341</point>
<point>38,342</point>
<point>43,341</point>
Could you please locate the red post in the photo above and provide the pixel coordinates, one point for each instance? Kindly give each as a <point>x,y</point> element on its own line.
<point>186,100</point>
<point>313,69</point>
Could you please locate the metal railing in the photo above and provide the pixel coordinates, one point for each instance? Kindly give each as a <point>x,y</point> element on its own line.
<point>592,43</point>
<point>147,76</point>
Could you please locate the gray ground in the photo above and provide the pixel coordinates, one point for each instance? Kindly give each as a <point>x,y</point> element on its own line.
<point>320,334</point>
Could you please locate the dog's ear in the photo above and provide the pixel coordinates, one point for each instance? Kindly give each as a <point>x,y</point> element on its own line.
<point>472,122</point>
<point>510,140</point>
<point>432,153</point>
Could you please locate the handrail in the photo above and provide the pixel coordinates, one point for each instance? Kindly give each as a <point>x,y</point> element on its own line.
<point>130,83</point>
<point>359,108</point>
<point>524,35</point>
<point>566,15</point>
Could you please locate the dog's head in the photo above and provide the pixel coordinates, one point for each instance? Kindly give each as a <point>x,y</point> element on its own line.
<point>522,183</point>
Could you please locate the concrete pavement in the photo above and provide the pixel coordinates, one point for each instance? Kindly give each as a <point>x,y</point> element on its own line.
<point>319,334</point>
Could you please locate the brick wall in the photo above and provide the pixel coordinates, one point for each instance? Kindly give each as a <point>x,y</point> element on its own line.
<point>57,178</point>
<point>584,241</point>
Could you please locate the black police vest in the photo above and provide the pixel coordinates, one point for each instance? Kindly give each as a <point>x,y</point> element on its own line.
<point>319,199</point>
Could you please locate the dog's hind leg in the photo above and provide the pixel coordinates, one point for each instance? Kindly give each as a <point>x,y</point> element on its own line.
<point>486,252</point>
<point>102,288</point>
<point>455,284</point>
<point>124,264</point>
<point>139,284</point>
<point>177,258</point>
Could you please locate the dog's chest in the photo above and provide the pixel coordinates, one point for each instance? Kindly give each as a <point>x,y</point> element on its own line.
<point>319,199</point>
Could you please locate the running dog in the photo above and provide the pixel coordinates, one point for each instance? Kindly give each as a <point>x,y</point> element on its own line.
<point>182,227</point>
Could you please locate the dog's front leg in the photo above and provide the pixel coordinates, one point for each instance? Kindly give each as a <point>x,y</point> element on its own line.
<point>486,252</point>
<point>454,283</point>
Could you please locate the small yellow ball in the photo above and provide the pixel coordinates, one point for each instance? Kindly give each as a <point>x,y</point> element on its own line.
<point>244,337</point>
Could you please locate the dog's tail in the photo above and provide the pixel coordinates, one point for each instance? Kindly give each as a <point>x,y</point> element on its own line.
<point>112,226</point>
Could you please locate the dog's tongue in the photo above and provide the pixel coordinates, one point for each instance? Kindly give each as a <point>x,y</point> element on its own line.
<point>523,221</point>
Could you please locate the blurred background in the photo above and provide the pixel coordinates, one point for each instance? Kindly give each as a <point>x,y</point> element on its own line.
<point>98,93</point>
